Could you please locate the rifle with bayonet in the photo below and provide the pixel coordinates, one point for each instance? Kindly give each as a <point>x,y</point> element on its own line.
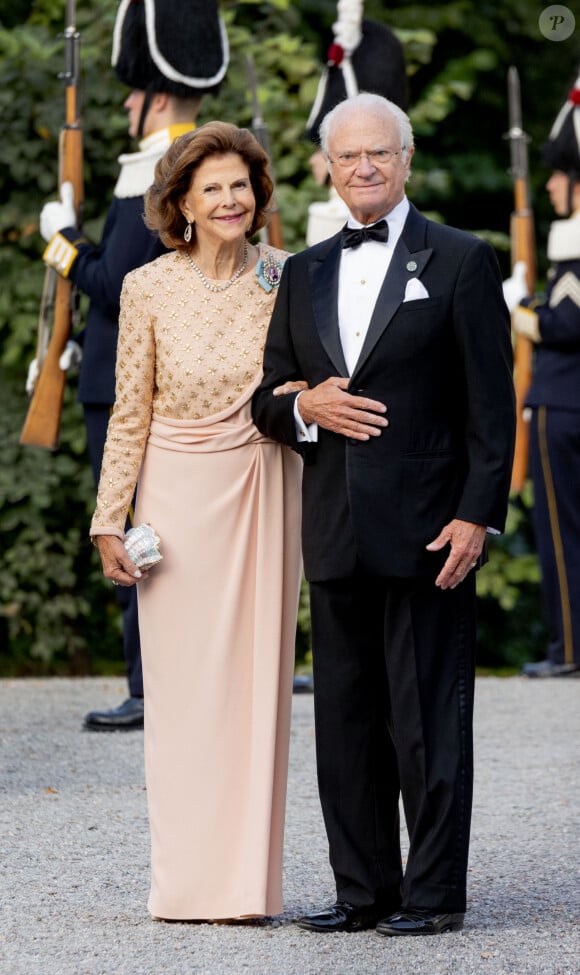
<point>260,130</point>
<point>523,248</point>
<point>59,300</point>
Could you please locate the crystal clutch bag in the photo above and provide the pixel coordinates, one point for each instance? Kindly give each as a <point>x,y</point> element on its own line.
<point>142,544</point>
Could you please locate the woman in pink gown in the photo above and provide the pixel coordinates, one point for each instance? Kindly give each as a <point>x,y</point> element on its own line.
<point>218,613</point>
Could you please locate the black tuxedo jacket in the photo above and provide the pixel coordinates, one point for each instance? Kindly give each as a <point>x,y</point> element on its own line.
<point>443,367</point>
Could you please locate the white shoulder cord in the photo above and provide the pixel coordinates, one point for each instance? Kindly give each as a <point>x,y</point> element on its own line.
<point>347,32</point>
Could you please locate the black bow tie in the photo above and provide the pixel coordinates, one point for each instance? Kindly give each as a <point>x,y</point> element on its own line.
<point>353,236</point>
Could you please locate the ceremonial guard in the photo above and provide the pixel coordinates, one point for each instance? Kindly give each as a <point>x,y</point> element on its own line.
<point>170,53</point>
<point>364,56</point>
<point>552,322</point>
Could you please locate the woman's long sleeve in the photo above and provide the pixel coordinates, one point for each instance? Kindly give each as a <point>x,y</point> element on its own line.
<point>131,417</point>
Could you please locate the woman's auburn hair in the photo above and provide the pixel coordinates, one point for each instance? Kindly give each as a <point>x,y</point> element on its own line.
<point>174,173</point>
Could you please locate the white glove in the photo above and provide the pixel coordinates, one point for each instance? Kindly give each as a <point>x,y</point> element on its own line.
<point>32,376</point>
<point>526,322</point>
<point>54,216</point>
<point>516,288</point>
<point>72,356</point>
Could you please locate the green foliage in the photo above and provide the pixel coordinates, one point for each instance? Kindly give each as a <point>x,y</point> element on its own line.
<point>511,629</point>
<point>52,597</point>
<point>287,70</point>
<point>303,641</point>
<point>458,86</point>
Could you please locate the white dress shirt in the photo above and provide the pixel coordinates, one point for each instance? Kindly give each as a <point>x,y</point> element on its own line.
<point>360,277</point>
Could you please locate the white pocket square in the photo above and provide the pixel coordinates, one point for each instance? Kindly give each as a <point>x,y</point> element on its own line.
<point>415,289</point>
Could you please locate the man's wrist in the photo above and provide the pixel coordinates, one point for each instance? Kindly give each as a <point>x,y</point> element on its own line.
<point>305,413</point>
<point>305,432</point>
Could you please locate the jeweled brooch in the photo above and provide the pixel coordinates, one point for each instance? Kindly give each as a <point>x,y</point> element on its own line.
<point>269,272</point>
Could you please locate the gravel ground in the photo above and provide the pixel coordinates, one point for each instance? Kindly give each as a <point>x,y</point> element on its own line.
<point>74,849</point>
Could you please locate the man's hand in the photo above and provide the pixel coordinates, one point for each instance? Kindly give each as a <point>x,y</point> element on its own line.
<point>329,405</point>
<point>71,357</point>
<point>466,540</point>
<point>55,216</point>
<point>526,322</point>
<point>515,288</point>
<point>32,376</point>
<point>117,566</point>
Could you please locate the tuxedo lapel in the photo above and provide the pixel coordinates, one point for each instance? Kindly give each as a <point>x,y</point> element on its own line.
<point>323,272</point>
<point>408,261</point>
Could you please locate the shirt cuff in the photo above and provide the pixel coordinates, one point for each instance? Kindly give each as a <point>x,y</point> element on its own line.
<point>305,433</point>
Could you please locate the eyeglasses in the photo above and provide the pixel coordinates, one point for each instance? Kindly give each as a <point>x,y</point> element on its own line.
<point>376,157</point>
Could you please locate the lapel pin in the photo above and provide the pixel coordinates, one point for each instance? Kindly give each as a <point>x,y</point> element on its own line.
<point>411,265</point>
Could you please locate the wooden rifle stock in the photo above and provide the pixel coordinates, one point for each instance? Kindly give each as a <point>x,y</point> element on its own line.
<point>42,424</point>
<point>274,228</point>
<point>523,248</point>
<point>260,130</point>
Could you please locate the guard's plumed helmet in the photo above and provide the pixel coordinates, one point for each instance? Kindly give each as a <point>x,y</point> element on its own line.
<point>175,46</point>
<point>562,150</point>
<point>365,56</point>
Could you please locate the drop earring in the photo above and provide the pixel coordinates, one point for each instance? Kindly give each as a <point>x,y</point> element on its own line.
<point>187,232</point>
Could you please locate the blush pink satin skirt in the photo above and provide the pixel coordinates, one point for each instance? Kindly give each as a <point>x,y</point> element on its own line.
<point>218,622</point>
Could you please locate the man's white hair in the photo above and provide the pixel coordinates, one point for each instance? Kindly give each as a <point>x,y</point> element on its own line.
<point>366,101</point>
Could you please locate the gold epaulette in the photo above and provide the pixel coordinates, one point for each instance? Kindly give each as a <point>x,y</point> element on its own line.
<point>60,254</point>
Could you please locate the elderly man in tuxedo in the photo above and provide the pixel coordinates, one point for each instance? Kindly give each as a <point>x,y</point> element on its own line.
<point>399,327</point>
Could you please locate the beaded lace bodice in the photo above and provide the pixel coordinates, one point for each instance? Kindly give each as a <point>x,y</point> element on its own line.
<point>184,353</point>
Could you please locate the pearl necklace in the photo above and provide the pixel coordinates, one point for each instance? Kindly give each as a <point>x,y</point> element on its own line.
<point>226,284</point>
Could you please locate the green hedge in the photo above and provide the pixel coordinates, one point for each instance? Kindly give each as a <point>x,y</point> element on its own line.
<point>53,599</point>
<point>57,615</point>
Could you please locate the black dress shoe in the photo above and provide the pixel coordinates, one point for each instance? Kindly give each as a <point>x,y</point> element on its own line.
<point>342,916</point>
<point>127,717</point>
<point>416,922</point>
<point>547,668</point>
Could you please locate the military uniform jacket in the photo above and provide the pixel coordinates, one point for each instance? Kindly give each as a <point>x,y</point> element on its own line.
<point>556,371</point>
